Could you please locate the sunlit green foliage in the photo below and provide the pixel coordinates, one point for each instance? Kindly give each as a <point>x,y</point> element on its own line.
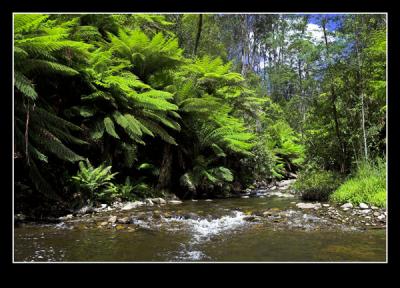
<point>317,185</point>
<point>368,185</point>
<point>255,97</point>
<point>42,49</point>
<point>95,182</point>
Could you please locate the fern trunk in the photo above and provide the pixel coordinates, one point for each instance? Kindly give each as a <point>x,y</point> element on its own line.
<point>164,179</point>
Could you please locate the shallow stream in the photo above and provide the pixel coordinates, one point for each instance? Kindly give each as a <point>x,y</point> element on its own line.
<point>217,230</point>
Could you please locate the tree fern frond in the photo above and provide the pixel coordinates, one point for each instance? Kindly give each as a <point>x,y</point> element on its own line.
<point>40,183</point>
<point>109,126</point>
<point>46,118</point>
<point>97,131</point>
<point>163,119</point>
<point>49,142</point>
<point>44,66</point>
<point>24,85</point>
<point>26,22</point>
<point>158,130</point>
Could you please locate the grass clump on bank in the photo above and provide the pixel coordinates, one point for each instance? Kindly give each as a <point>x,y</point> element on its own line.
<point>368,185</point>
<point>317,185</point>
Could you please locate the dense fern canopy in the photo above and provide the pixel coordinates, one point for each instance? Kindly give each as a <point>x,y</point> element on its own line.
<point>163,104</point>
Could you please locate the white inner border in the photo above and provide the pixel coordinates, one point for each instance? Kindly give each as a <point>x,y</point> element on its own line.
<point>195,262</point>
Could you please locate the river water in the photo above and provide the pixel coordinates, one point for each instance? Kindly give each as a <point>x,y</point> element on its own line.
<point>218,230</point>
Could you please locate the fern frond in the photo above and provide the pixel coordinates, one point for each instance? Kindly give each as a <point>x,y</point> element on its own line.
<point>48,142</point>
<point>158,130</point>
<point>24,85</point>
<point>44,66</point>
<point>109,126</point>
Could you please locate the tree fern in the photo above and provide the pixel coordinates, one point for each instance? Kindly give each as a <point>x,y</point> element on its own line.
<point>109,127</point>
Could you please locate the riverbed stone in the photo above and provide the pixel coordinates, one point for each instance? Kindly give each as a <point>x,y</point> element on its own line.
<point>244,197</point>
<point>124,220</point>
<point>363,206</point>
<point>22,217</point>
<point>325,205</point>
<point>149,202</point>
<point>112,219</point>
<point>376,214</point>
<point>382,218</point>
<point>285,183</point>
<point>191,215</point>
<point>347,205</point>
<point>67,217</point>
<point>158,201</point>
<point>119,227</point>
<point>308,205</point>
<point>250,218</point>
<point>85,209</point>
<point>175,202</point>
<point>132,205</point>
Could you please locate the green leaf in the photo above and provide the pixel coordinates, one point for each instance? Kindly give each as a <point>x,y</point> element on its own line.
<point>109,126</point>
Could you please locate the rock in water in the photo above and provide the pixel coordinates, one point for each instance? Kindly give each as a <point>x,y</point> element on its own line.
<point>191,215</point>
<point>382,218</point>
<point>112,219</point>
<point>132,205</point>
<point>347,205</point>
<point>85,210</point>
<point>124,220</point>
<point>158,201</point>
<point>67,217</point>
<point>175,202</point>
<point>251,218</point>
<point>363,206</point>
<point>119,227</point>
<point>20,217</point>
<point>149,202</point>
<point>308,205</point>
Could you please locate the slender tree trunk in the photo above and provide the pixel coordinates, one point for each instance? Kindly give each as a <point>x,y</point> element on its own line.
<point>164,179</point>
<point>27,134</point>
<point>264,65</point>
<point>199,27</point>
<point>362,96</point>
<point>334,110</point>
